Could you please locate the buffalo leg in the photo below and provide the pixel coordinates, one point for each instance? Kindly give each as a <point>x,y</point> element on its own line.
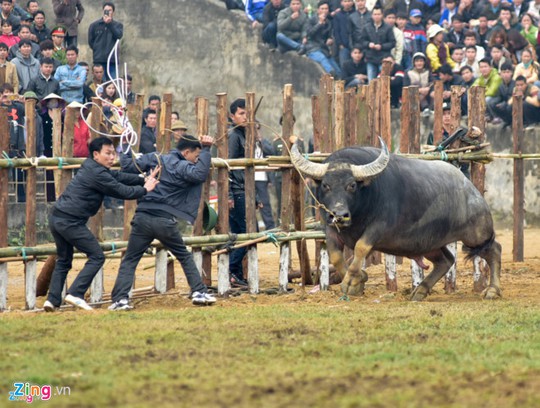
<point>336,255</point>
<point>493,258</point>
<point>442,261</point>
<point>356,277</point>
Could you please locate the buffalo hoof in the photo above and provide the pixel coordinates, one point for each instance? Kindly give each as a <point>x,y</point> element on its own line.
<point>353,287</point>
<point>491,293</point>
<point>419,294</point>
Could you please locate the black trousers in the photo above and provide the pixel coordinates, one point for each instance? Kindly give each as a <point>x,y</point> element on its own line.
<point>266,211</point>
<point>69,233</point>
<point>146,228</point>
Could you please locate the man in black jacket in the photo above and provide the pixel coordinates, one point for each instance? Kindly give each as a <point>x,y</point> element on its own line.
<point>183,172</point>
<point>102,37</point>
<point>270,15</point>
<point>44,84</point>
<point>80,201</point>
<point>148,133</point>
<point>377,41</point>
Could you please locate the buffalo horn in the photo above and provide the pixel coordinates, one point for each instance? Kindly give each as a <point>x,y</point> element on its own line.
<point>314,170</point>
<point>370,170</point>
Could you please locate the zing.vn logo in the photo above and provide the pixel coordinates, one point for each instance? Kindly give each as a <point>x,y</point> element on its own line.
<point>28,393</point>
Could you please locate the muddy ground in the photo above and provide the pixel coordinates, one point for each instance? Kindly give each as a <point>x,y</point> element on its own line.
<point>519,279</point>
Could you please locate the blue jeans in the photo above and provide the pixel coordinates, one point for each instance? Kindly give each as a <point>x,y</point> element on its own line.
<point>328,63</point>
<point>344,56</point>
<point>237,224</point>
<point>373,70</point>
<point>286,43</point>
<point>269,34</point>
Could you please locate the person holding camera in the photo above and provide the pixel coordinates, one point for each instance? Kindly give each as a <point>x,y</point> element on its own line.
<point>102,36</point>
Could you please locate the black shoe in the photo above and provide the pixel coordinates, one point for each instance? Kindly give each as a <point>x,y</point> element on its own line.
<point>301,50</point>
<point>237,282</point>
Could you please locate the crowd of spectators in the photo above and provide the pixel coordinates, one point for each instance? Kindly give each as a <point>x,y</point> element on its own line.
<point>490,43</point>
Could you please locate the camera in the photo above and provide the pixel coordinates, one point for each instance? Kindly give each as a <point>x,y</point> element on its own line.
<point>107,12</point>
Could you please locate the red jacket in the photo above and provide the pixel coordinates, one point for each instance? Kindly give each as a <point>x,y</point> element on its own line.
<point>80,139</point>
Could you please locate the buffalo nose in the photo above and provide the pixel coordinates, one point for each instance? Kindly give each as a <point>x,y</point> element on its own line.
<point>339,217</point>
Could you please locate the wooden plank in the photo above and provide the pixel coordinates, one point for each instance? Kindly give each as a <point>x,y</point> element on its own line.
<point>438,111</point>
<point>339,115</point>
<point>384,110</point>
<point>477,112</point>
<point>4,187</point>
<point>350,118</point>
<point>30,239</point>
<point>249,183</point>
<point>222,143</point>
<point>519,180</point>
<point>363,130</point>
<point>325,107</point>
<point>324,268</point>
<point>405,115</point>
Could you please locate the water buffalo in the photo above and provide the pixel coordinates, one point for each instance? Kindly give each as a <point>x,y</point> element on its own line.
<point>373,200</point>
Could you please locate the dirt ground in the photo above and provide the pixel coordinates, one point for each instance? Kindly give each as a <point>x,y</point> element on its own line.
<point>519,279</point>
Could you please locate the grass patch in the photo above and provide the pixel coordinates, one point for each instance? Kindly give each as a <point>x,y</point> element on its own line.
<point>296,353</point>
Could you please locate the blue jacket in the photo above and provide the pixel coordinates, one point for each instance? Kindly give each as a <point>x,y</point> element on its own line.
<point>180,183</point>
<point>71,82</point>
<point>254,7</point>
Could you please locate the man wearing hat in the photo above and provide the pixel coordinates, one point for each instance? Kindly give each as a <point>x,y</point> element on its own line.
<point>177,196</point>
<point>58,34</point>
<point>437,50</point>
<point>69,13</point>
<point>179,130</point>
<point>414,38</point>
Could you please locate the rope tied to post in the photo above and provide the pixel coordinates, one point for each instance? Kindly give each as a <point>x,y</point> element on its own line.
<point>23,254</point>
<point>60,163</point>
<point>113,248</point>
<point>229,246</point>
<point>444,155</point>
<point>6,156</point>
<point>271,238</point>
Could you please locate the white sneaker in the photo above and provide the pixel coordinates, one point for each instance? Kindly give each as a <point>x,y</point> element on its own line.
<point>202,299</point>
<point>122,304</point>
<point>77,302</point>
<point>48,306</point>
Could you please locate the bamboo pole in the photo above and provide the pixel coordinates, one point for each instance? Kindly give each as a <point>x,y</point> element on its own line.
<point>519,179</point>
<point>224,284</point>
<point>4,196</point>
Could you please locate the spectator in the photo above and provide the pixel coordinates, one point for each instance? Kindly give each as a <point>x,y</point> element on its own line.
<point>520,8</point>
<point>437,51</point>
<point>402,20</point>
<point>498,37</point>
<point>471,60</point>
<point>47,51</point>
<point>507,20</point>
<point>81,132</point>
<point>102,37</point>
<point>449,79</point>
<point>319,38</point>
<point>354,71</point>
<point>483,31</point>
<point>179,130</point>
<point>237,193</point>
<point>44,83</point>
<point>183,172</point>
<point>58,34</point>
<point>24,34</point>
<point>254,11</point>
<point>270,18</point>
<point>69,13</point>
<point>292,26</point>
<point>528,30</point>
<point>357,22</point>
<point>27,65</point>
<point>450,10</point>
<point>531,103</point>
<point>415,39</point>
<point>467,75</point>
<point>396,82</point>
<point>377,40</point>
<point>71,77</point>
<point>492,11</point>
<point>458,56</point>
<point>499,108</point>
<point>340,23</point>
<point>32,7</point>
<point>263,148</point>
<point>175,116</point>
<point>39,28</point>
<point>456,36</point>
<point>26,21</point>
<point>470,41</point>
<point>397,51</point>
<point>421,77</point>
<point>469,10</point>
<point>534,9</point>
<point>81,200</point>
<point>490,79</point>
<point>516,45</point>
<point>154,103</point>
<point>8,15</point>
<point>130,97</point>
<point>148,132</point>
<point>8,71</point>
<point>528,67</point>
<point>7,36</point>
<point>98,72</point>
<point>497,57</point>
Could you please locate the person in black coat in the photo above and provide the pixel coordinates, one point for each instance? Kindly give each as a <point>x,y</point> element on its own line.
<point>148,133</point>
<point>270,15</point>
<point>81,200</point>
<point>354,72</point>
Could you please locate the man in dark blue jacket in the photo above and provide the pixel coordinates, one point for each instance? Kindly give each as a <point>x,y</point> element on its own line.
<point>183,172</point>
<point>80,201</point>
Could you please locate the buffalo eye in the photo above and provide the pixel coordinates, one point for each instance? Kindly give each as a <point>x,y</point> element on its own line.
<point>351,187</point>
<point>325,187</point>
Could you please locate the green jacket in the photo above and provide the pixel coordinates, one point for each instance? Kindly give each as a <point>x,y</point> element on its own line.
<point>492,82</point>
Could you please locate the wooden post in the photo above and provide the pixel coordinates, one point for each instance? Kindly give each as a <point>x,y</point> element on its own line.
<point>363,129</point>
<point>519,179</point>
<point>4,185</point>
<point>224,284</point>
<point>67,145</point>
<point>339,115</point>
<point>325,108</point>
<point>374,124</point>
<point>286,132</point>
<point>438,112</point>
<point>406,119</point>
<point>350,118</point>
<point>455,107</point>
<point>96,222</point>
<point>30,240</point>
<point>477,111</point>
<point>203,260</point>
<point>384,110</point>
<point>56,117</point>
<point>315,118</point>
